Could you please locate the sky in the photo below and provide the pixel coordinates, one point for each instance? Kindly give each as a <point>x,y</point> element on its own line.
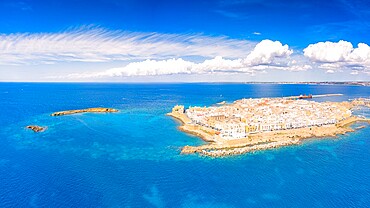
<point>184,40</point>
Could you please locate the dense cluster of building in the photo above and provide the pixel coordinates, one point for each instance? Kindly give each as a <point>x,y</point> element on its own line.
<point>247,116</point>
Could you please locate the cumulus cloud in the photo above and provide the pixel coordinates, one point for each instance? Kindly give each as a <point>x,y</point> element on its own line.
<point>328,51</point>
<point>360,54</point>
<point>266,51</point>
<point>262,57</point>
<point>339,55</point>
<point>88,44</point>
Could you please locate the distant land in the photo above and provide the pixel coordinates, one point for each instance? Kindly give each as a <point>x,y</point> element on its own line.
<point>360,83</point>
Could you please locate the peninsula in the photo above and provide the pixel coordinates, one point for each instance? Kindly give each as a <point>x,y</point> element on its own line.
<point>91,110</point>
<point>248,125</point>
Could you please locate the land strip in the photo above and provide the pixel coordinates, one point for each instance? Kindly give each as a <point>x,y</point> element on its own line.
<point>91,110</point>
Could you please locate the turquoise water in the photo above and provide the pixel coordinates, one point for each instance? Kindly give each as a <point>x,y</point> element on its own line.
<point>131,158</point>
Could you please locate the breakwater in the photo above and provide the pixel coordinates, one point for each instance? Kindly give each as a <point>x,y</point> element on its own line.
<point>312,96</point>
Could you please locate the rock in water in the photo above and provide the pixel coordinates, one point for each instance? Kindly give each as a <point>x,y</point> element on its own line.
<point>36,128</point>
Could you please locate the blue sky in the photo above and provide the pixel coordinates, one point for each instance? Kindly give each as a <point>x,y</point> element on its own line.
<point>236,40</point>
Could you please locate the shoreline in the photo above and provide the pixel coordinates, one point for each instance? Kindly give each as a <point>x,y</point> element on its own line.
<point>190,128</point>
<point>217,147</point>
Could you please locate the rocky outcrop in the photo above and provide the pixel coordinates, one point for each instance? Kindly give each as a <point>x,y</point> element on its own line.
<point>36,128</point>
<point>87,110</point>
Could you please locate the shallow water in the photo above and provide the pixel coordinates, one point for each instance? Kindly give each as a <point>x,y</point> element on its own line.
<point>131,158</point>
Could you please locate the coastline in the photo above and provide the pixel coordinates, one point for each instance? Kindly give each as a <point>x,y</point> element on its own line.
<point>191,128</point>
<point>217,147</point>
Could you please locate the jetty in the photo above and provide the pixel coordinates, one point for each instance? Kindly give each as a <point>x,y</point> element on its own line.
<point>311,96</point>
<point>87,110</point>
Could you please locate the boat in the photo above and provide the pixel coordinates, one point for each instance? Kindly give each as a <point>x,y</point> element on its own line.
<point>305,96</point>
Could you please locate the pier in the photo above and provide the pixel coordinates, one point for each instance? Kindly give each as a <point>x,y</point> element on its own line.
<point>311,96</point>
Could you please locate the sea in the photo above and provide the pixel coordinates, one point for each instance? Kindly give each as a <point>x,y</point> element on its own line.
<point>132,158</point>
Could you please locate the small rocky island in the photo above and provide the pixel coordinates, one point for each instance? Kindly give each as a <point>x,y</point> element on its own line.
<point>87,110</point>
<point>36,128</point>
<point>249,125</point>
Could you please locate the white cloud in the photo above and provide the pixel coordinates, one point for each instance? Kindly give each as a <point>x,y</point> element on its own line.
<point>88,44</point>
<point>354,72</point>
<point>169,66</point>
<point>360,54</point>
<point>260,58</point>
<point>340,55</point>
<point>266,51</point>
<point>330,71</point>
<point>149,54</point>
<point>302,67</point>
<point>328,51</point>
<point>330,66</point>
<point>152,67</point>
<point>220,64</point>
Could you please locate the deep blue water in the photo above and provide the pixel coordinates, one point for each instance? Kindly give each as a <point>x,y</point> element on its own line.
<point>131,158</point>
